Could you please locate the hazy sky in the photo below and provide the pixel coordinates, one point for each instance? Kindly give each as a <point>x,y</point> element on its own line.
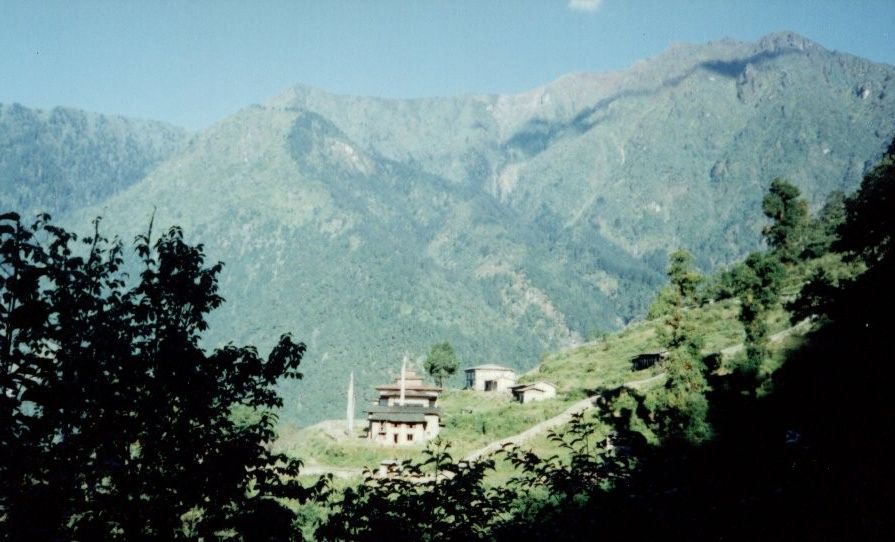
<point>195,62</point>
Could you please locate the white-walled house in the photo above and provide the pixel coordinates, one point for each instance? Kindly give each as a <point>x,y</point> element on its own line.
<point>490,378</point>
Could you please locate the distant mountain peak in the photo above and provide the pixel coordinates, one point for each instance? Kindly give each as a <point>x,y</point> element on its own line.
<point>787,40</point>
<point>506,224</point>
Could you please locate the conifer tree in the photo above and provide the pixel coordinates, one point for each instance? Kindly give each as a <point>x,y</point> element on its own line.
<point>785,235</point>
<point>758,283</point>
<point>681,407</point>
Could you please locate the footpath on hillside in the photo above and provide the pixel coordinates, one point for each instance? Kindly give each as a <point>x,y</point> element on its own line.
<point>591,402</point>
<point>558,420</point>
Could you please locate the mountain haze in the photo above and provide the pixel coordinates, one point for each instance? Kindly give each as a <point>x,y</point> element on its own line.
<point>507,225</point>
<point>59,160</point>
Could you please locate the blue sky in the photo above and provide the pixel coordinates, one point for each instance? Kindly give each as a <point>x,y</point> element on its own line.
<point>194,62</point>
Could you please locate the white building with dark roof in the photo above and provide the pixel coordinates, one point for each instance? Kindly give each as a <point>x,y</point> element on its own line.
<point>490,377</point>
<point>536,391</point>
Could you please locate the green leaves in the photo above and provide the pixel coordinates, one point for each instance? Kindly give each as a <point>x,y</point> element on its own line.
<point>789,215</point>
<point>115,424</point>
<point>441,362</point>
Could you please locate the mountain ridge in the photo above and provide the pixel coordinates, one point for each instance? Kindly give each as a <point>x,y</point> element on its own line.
<point>58,159</point>
<point>374,228</point>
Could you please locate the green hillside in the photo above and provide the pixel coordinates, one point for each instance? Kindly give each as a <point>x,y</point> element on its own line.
<point>786,436</point>
<point>509,226</point>
<point>473,419</point>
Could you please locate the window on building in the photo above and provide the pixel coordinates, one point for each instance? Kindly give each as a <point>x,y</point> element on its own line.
<point>409,437</point>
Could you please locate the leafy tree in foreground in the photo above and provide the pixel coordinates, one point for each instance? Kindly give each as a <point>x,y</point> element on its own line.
<point>433,499</point>
<point>849,358</point>
<point>114,423</point>
<point>822,230</point>
<point>441,362</point>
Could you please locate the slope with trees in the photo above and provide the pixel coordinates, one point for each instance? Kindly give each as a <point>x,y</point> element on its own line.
<point>63,159</point>
<point>796,446</point>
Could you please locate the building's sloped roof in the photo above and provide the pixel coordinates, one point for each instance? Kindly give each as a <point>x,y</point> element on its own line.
<point>412,383</point>
<point>410,409</point>
<point>660,354</point>
<point>425,391</point>
<point>402,417</point>
<point>488,367</point>
<point>540,386</point>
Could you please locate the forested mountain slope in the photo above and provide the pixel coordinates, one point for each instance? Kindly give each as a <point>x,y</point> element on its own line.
<point>59,160</point>
<point>507,225</point>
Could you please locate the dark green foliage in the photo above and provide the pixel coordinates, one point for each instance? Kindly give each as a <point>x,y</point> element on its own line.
<point>680,408</point>
<point>867,232</point>
<point>789,215</point>
<point>849,359</point>
<point>116,425</point>
<point>664,303</point>
<point>683,276</point>
<point>822,230</point>
<point>758,282</point>
<point>681,291</point>
<point>441,362</point>
<point>434,499</point>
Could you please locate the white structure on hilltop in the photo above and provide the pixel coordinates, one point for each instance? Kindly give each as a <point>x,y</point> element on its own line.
<point>490,378</point>
<point>536,391</point>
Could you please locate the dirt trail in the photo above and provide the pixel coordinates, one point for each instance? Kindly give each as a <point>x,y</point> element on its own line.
<point>562,418</point>
<point>590,402</point>
<point>775,338</point>
<point>337,472</point>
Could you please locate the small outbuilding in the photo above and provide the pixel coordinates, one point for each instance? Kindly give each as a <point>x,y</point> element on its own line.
<point>490,378</point>
<point>647,360</point>
<point>537,391</point>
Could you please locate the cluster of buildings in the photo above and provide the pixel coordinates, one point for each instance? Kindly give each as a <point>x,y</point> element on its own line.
<point>407,410</point>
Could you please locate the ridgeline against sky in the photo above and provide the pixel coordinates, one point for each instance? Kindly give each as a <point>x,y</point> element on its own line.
<point>193,63</point>
<point>509,225</point>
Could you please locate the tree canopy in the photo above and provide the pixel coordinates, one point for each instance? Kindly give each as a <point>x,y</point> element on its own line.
<point>114,423</point>
<point>789,215</point>
<point>441,362</point>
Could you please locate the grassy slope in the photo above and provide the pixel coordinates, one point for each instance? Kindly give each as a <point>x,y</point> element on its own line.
<point>472,420</point>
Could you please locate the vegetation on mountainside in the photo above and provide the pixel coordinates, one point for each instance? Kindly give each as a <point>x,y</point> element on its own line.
<point>509,226</point>
<point>117,425</point>
<point>61,160</point>
<point>775,451</point>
